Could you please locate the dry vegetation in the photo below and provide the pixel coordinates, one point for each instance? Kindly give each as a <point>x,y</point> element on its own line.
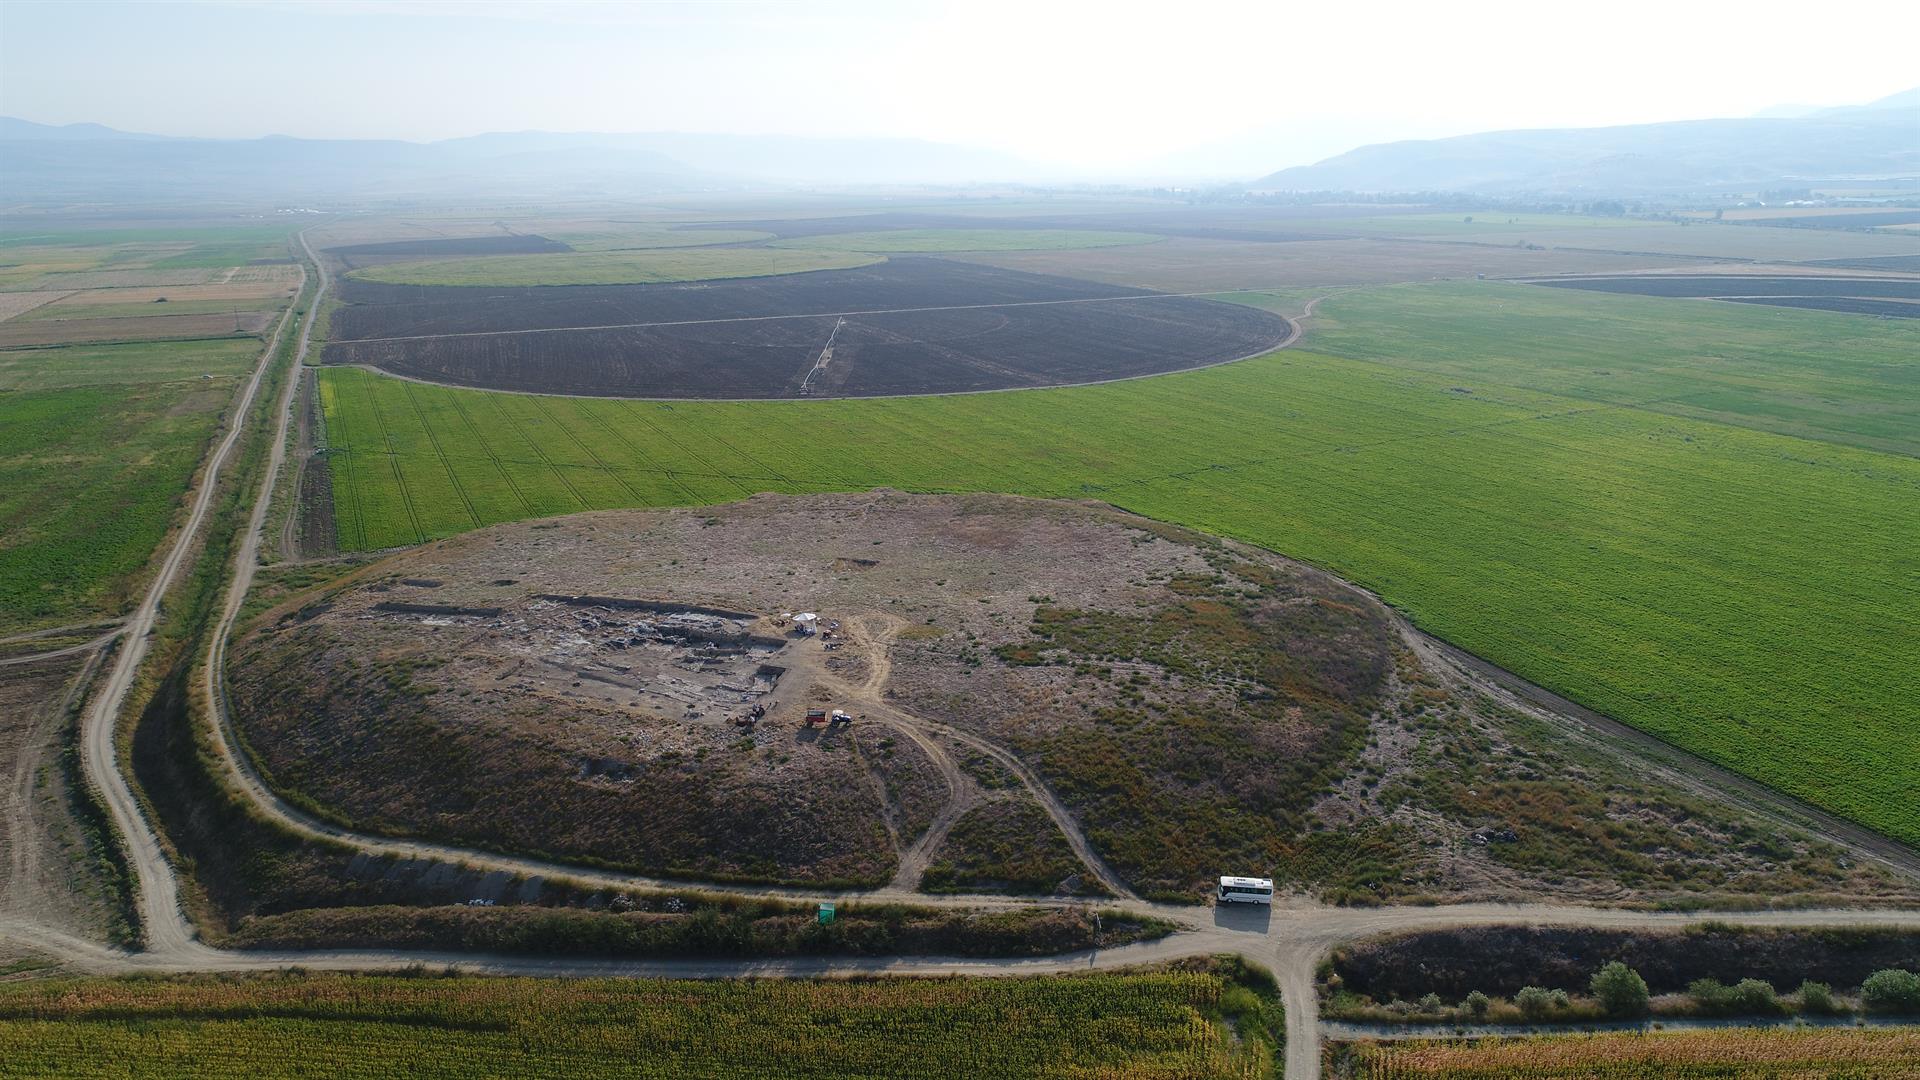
<point>56,866</point>
<point>1735,1054</point>
<point>1197,1021</point>
<point>1194,706</point>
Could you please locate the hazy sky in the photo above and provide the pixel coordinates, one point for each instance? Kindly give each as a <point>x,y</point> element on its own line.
<point>1087,84</point>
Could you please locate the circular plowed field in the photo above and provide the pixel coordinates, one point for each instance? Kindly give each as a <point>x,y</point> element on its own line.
<point>907,326</point>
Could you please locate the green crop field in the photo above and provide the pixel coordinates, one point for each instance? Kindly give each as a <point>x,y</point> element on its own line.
<point>905,240</point>
<point>614,267</point>
<point>1138,1026</point>
<point>98,441</point>
<point>149,361</point>
<point>89,480</point>
<point>1836,378</point>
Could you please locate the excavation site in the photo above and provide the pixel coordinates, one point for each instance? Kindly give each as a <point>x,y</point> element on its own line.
<point>979,694</point>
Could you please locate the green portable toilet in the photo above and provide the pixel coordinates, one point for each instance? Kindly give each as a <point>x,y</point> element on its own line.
<point>826,913</point>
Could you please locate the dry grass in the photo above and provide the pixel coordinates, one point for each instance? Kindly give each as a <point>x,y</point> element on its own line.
<point>19,303</point>
<point>133,328</point>
<point>1728,1054</point>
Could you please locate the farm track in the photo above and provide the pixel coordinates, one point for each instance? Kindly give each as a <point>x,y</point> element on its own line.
<point>68,650</point>
<point>289,545</point>
<point>1291,937</point>
<point>165,928</point>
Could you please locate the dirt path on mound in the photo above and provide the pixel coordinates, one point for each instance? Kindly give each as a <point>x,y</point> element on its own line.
<point>875,633</point>
<point>874,636</point>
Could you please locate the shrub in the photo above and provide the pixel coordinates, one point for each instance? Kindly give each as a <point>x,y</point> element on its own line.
<point>1754,997</point>
<point>1748,997</point>
<point>1817,998</point>
<point>1476,1003</point>
<point>1535,1001</point>
<point>1891,990</point>
<point>1430,1003</point>
<point>1621,990</point>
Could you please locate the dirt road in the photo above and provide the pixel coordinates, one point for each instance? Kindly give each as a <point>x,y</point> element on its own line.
<point>165,927</point>
<point>1290,938</point>
<point>55,654</point>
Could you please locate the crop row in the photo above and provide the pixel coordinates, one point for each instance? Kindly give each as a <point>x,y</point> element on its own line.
<point>1726,1054</point>
<point>1137,1026</point>
<point>1751,597</point>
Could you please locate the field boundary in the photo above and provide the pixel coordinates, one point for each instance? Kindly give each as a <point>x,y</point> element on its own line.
<point>1287,340</point>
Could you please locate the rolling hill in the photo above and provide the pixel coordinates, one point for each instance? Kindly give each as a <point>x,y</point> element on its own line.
<point>1879,140</point>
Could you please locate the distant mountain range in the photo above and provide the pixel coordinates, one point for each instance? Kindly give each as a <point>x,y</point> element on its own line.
<point>1788,146</point>
<point>88,162</point>
<point>1880,139</point>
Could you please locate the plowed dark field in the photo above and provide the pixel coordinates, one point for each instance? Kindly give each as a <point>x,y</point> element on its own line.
<point>1853,296</point>
<point>1846,305</point>
<point>1746,285</point>
<point>911,325</point>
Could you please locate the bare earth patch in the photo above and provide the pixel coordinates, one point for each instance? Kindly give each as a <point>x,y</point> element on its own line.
<point>1011,695</point>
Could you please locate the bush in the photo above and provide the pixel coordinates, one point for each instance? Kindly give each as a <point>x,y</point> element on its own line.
<point>1476,1003</point>
<point>1817,998</point>
<point>1891,990</point>
<point>1755,997</point>
<point>1536,1002</point>
<point>1621,990</point>
<point>1748,997</point>
<point>1430,1003</point>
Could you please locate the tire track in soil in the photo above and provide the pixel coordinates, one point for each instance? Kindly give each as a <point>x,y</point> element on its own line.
<point>514,422</point>
<point>872,695</point>
<point>486,447</point>
<point>962,793</point>
<point>547,413</point>
<point>350,470</point>
<point>393,462</point>
<point>687,450</point>
<point>613,431</point>
<point>751,459</point>
<point>439,452</point>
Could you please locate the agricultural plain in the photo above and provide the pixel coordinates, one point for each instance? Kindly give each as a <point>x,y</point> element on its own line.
<point>1744,594</point>
<point>1832,378</point>
<point>126,347</point>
